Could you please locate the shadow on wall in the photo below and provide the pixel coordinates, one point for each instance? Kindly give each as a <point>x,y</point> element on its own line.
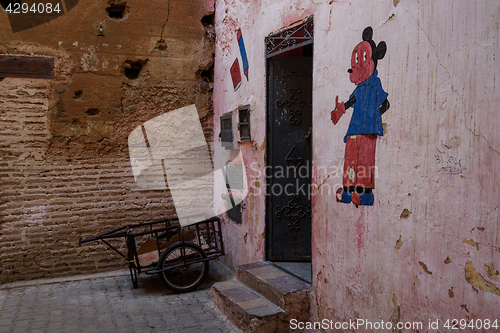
<point>170,151</point>
<point>23,15</point>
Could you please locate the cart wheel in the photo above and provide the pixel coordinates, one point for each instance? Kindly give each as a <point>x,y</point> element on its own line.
<point>133,276</point>
<point>187,277</point>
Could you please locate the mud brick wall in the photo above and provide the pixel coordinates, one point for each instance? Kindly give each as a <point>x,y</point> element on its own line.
<point>65,172</point>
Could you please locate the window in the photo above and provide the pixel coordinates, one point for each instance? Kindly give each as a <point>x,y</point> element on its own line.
<point>244,123</point>
<point>226,130</point>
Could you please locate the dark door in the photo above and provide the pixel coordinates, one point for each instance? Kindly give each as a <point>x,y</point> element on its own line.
<point>289,159</point>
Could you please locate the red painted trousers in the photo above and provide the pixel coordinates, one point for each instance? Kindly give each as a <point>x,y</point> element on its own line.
<point>359,162</point>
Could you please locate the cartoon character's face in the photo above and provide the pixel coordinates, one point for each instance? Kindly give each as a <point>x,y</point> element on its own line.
<point>362,65</point>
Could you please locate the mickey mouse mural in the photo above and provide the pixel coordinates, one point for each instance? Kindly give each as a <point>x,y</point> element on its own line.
<point>370,102</point>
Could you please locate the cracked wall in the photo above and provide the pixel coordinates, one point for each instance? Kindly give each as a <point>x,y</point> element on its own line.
<point>410,256</point>
<point>64,164</point>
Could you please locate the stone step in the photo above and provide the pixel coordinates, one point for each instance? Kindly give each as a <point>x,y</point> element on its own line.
<point>245,308</point>
<point>283,289</point>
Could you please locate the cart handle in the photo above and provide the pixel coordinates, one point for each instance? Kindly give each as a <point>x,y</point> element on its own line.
<point>80,242</point>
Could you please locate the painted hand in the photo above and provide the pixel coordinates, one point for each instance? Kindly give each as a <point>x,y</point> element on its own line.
<point>338,112</point>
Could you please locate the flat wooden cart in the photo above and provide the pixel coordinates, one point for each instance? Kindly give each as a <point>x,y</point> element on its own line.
<point>176,249</point>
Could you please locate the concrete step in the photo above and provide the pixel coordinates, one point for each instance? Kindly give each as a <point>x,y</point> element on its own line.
<point>245,308</point>
<point>283,289</point>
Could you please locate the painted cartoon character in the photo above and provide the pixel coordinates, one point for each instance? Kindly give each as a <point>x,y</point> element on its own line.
<point>370,102</point>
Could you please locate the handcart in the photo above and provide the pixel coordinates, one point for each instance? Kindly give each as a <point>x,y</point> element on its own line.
<point>175,249</point>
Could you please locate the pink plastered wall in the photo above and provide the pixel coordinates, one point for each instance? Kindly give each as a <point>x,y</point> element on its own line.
<point>429,248</point>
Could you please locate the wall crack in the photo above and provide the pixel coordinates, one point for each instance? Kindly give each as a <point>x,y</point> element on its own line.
<point>485,139</point>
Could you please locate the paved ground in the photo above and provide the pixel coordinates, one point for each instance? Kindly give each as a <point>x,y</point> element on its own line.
<point>106,303</point>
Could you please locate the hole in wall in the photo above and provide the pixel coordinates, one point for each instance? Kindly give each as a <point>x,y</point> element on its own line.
<point>70,4</point>
<point>75,124</point>
<point>92,112</point>
<point>132,68</point>
<point>161,45</point>
<point>208,20</point>
<point>208,75</point>
<point>205,76</point>
<point>117,10</point>
<point>78,94</point>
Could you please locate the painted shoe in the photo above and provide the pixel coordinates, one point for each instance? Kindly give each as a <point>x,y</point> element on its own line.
<point>365,199</point>
<point>344,197</point>
<point>356,198</point>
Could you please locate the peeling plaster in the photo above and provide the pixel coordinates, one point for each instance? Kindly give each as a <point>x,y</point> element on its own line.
<point>251,199</point>
<point>396,314</point>
<point>89,61</point>
<point>491,272</point>
<point>399,243</point>
<point>472,243</point>
<point>424,266</point>
<point>477,281</point>
<point>405,214</point>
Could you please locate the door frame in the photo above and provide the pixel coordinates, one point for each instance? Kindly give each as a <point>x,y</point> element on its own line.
<point>304,33</point>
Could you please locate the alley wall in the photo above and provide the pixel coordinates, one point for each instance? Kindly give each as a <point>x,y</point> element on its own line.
<point>428,249</point>
<point>65,172</point>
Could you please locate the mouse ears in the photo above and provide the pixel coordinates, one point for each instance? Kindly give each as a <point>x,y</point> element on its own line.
<point>378,52</point>
<point>367,34</point>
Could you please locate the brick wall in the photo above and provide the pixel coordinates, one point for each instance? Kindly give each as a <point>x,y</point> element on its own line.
<point>65,172</point>
<point>48,204</point>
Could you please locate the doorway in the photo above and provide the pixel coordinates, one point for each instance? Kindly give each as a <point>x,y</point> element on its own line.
<point>289,148</point>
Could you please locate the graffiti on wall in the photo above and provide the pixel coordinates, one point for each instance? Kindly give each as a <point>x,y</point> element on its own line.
<point>243,53</point>
<point>235,68</point>
<point>236,74</point>
<point>370,102</point>
<point>448,163</point>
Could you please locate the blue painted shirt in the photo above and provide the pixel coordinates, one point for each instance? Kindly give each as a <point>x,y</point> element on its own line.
<point>366,118</point>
